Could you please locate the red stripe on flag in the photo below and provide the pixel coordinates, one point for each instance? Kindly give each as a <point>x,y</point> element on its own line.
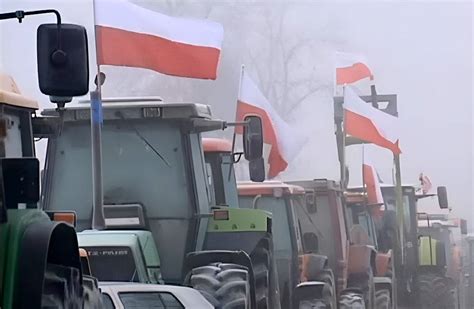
<point>369,181</point>
<point>363,128</point>
<point>349,75</point>
<point>131,49</point>
<point>275,158</point>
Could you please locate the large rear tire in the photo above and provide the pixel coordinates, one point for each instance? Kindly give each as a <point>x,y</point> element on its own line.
<point>261,260</point>
<point>383,299</point>
<point>364,282</point>
<point>225,286</point>
<point>329,291</point>
<point>351,300</point>
<point>436,291</point>
<point>61,288</point>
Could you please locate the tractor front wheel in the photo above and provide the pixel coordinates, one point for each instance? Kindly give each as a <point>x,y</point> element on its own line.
<point>351,300</point>
<point>225,286</point>
<point>382,299</point>
<point>436,291</point>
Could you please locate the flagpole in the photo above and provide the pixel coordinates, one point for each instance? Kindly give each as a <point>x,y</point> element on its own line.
<point>98,221</point>
<point>237,106</point>
<point>363,173</point>
<point>343,145</point>
<point>236,110</point>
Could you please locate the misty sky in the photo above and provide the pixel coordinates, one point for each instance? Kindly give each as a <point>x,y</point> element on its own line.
<point>420,50</point>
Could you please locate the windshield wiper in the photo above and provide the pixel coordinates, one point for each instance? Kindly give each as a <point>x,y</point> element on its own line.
<point>143,139</point>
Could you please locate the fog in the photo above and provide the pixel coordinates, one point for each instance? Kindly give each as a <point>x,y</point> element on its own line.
<point>419,50</point>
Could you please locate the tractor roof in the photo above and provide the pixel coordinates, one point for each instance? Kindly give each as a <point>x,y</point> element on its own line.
<point>274,188</point>
<point>355,197</point>
<point>383,185</point>
<point>10,94</point>
<point>216,145</point>
<point>135,108</point>
<point>320,185</point>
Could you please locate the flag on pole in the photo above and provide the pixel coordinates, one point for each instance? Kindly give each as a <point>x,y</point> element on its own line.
<point>132,36</point>
<point>351,68</point>
<point>371,179</point>
<point>363,121</point>
<point>281,142</point>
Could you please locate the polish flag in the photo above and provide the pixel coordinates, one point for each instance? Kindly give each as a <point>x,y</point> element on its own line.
<point>371,179</point>
<point>351,68</point>
<point>365,122</point>
<point>281,142</point>
<point>132,36</point>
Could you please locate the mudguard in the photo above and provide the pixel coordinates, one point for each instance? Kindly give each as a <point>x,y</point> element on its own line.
<point>307,291</point>
<point>44,242</point>
<point>311,266</point>
<point>202,258</point>
<point>382,283</point>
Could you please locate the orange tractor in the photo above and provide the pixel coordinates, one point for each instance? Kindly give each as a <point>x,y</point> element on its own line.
<point>312,242</point>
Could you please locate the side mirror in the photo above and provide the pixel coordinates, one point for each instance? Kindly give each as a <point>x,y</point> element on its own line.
<point>253,138</point>
<point>63,61</point>
<point>257,170</point>
<point>20,181</point>
<point>442,198</point>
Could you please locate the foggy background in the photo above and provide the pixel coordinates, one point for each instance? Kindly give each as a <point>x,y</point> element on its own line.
<point>420,50</point>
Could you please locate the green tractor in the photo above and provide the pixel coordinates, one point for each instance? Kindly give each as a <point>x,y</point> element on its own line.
<point>439,270</point>
<point>421,275</point>
<point>39,258</point>
<point>156,187</point>
<point>305,277</point>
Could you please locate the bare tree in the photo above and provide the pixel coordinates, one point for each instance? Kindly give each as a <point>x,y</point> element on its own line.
<point>285,69</point>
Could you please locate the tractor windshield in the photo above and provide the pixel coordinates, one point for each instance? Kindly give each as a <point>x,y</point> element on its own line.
<point>391,205</point>
<point>145,162</point>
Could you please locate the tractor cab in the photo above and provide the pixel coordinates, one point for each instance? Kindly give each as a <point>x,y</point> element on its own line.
<point>152,167</point>
<point>324,205</point>
<point>160,218</point>
<point>363,218</point>
<point>281,200</point>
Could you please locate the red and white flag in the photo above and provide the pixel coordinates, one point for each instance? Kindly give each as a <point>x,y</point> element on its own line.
<point>132,36</point>
<point>351,68</point>
<point>363,121</point>
<point>281,142</point>
<point>371,179</point>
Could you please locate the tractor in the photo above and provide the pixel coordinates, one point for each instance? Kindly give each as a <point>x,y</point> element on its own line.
<point>305,277</point>
<point>39,258</point>
<point>421,275</point>
<point>351,256</point>
<point>370,217</point>
<point>156,187</point>
<point>439,266</point>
